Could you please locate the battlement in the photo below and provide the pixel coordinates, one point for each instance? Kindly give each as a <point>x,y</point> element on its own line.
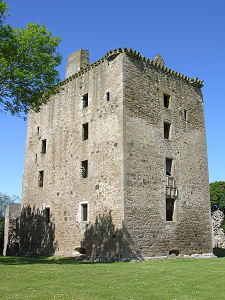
<point>79,68</point>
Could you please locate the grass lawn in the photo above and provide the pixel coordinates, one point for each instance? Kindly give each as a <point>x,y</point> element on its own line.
<point>63,278</point>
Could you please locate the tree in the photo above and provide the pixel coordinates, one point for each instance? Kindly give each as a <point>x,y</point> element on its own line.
<point>4,201</point>
<point>28,61</point>
<point>217,195</point>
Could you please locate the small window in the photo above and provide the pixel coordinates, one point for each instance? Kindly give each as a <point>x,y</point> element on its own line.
<point>38,130</point>
<point>41,178</point>
<point>169,163</point>
<point>84,212</point>
<point>107,96</point>
<point>166,99</point>
<point>43,147</point>
<point>170,209</point>
<point>36,158</point>
<point>85,100</point>
<point>85,131</point>
<point>185,115</point>
<point>84,168</point>
<point>167,134</point>
<point>47,214</point>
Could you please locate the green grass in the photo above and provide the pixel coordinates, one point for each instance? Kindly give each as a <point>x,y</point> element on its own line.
<point>63,278</point>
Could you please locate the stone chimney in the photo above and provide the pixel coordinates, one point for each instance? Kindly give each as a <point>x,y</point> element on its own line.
<point>76,61</point>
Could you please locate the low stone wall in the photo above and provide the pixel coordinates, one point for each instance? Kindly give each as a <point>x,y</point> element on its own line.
<point>218,232</point>
<point>12,229</point>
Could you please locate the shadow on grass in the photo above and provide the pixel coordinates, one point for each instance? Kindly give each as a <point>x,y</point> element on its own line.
<point>12,260</point>
<point>219,252</point>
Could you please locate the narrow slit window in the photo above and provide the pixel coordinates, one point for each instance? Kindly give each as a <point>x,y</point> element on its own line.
<point>107,96</point>
<point>167,133</point>
<point>169,163</point>
<point>43,147</point>
<point>84,169</point>
<point>84,212</point>
<point>41,178</point>
<point>38,130</point>
<point>47,214</point>
<point>85,131</point>
<point>185,114</point>
<point>36,158</point>
<point>166,99</point>
<point>170,209</point>
<point>85,100</point>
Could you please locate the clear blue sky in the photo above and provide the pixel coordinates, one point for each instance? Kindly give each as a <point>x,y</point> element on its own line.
<point>189,34</point>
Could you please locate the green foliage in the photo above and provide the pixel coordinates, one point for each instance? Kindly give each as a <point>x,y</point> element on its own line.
<point>217,195</point>
<point>28,61</point>
<point>63,278</point>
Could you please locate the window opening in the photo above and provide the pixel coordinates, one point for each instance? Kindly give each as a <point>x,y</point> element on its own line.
<point>47,214</point>
<point>85,131</point>
<point>41,178</point>
<point>38,130</point>
<point>167,130</point>
<point>84,168</point>
<point>107,96</point>
<point>85,100</point>
<point>185,114</point>
<point>35,157</point>
<point>43,148</point>
<point>166,99</point>
<point>169,162</point>
<point>84,212</point>
<point>170,209</point>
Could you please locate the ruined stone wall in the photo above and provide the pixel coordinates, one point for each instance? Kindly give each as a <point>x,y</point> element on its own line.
<point>12,229</point>
<point>145,152</point>
<point>64,190</point>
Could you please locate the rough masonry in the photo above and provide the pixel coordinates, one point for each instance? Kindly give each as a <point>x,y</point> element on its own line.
<point>116,163</point>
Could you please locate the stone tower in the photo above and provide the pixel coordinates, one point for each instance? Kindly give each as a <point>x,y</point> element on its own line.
<point>116,163</point>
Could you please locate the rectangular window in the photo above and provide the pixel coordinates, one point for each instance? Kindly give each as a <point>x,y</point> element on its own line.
<point>85,100</point>
<point>43,147</point>
<point>185,115</point>
<point>169,163</point>
<point>166,99</point>
<point>84,168</point>
<point>85,131</point>
<point>38,130</point>
<point>41,178</point>
<point>170,209</point>
<point>167,134</point>
<point>107,96</point>
<point>47,214</point>
<point>84,212</point>
<point>36,158</point>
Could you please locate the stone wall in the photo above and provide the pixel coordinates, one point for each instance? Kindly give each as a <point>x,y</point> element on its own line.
<point>146,149</point>
<point>218,232</point>
<point>12,229</point>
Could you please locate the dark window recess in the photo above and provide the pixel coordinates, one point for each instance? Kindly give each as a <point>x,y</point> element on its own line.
<point>170,209</point>
<point>38,130</point>
<point>107,96</point>
<point>43,147</point>
<point>84,213</point>
<point>185,114</point>
<point>85,100</point>
<point>167,130</point>
<point>166,99</point>
<point>169,162</point>
<point>84,168</point>
<point>47,214</point>
<point>41,178</point>
<point>35,157</point>
<point>85,131</point>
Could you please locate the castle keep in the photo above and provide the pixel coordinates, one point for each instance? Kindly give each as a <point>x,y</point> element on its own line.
<point>116,163</point>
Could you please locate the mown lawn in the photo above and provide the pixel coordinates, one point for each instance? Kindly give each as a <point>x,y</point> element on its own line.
<point>63,278</point>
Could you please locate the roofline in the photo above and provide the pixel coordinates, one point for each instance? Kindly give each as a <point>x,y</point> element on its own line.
<point>193,81</point>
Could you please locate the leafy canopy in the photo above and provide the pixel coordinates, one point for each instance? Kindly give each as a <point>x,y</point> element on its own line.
<point>28,61</point>
<point>217,195</point>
